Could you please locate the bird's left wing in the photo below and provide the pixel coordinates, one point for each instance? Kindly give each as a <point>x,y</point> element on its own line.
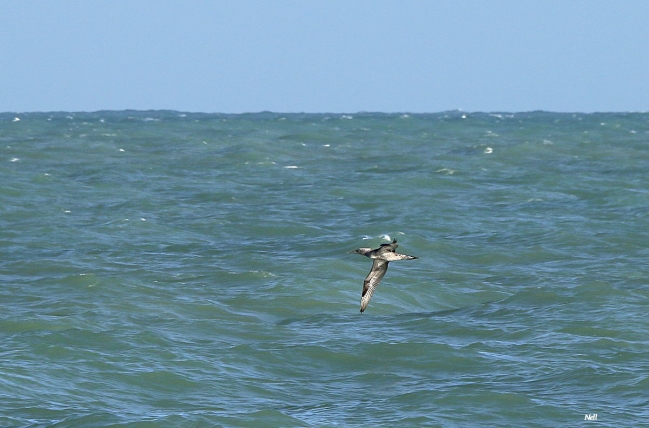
<point>379,268</point>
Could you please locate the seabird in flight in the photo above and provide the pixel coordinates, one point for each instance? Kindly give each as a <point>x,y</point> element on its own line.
<point>381,256</point>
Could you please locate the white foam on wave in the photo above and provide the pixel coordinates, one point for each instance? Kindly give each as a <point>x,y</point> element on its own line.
<point>261,163</point>
<point>385,237</point>
<point>447,171</point>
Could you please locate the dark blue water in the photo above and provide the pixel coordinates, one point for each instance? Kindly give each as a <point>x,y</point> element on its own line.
<point>169,269</point>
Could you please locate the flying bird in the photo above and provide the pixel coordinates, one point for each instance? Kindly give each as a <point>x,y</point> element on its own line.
<point>381,256</point>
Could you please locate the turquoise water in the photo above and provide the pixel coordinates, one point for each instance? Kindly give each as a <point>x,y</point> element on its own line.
<point>169,269</point>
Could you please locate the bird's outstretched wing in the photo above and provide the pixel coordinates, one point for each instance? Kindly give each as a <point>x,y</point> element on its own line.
<point>379,268</point>
<point>393,257</point>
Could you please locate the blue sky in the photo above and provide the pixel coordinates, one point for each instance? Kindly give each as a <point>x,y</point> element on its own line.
<point>324,56</point>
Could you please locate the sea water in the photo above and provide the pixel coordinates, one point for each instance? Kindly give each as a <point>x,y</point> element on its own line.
<point>178,269</point>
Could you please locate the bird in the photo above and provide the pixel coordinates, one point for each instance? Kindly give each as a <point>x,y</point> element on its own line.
<point>381,256</point>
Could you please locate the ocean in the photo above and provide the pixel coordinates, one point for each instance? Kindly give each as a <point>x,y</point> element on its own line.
<point>171,269</point>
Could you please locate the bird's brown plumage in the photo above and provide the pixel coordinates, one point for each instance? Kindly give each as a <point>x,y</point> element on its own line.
<point>381,257</point>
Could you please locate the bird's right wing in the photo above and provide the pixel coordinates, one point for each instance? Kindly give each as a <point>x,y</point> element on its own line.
<point>393,257</point>
<point>379,268</point>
